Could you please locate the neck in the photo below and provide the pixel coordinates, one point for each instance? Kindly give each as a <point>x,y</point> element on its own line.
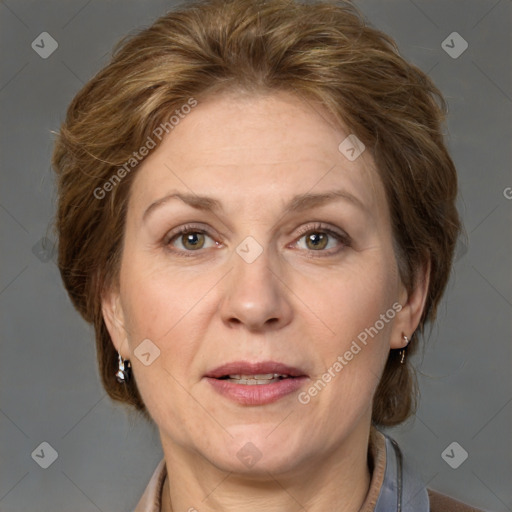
<point>341,478</point>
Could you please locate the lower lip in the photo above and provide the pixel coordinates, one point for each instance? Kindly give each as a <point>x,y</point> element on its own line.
<point>257,394</point>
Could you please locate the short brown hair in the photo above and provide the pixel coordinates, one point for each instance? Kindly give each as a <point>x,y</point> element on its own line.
<point>322,51</point>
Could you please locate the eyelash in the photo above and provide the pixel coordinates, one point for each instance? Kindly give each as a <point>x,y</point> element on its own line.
<point>318,227</point>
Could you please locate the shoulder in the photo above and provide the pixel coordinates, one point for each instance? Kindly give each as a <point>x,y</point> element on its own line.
<point>151,500</point>
<point>442,503</point>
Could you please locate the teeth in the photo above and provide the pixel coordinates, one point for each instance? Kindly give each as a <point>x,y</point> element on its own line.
<point>264,378</point>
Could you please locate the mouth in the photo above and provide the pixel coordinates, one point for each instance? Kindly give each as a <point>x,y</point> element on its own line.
<point>256,380</point>
<point>256,383</point>
<point>245,372</point>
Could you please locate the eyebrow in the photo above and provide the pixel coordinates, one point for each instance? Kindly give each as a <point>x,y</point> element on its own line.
<point>297,204</point>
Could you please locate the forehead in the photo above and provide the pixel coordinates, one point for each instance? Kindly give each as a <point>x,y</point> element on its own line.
<point>257,147</point>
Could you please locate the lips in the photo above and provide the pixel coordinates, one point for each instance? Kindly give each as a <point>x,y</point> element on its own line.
<point>255,383</point>
<point>245,368</point>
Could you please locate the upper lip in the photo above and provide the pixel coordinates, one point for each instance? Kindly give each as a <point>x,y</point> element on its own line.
<point>256,368</point>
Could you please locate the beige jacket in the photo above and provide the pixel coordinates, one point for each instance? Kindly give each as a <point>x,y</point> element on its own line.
<point>151,499</point>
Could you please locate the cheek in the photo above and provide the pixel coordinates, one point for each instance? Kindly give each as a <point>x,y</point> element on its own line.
<point>153,298</point>
<point>356,305</point>
<point>161,307</point>
<point>351,362</point>
<point>172,308</point>
<point>353,300</point>
<point>165,306</point>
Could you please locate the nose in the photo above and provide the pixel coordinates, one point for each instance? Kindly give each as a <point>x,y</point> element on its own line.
<point>256,295</point>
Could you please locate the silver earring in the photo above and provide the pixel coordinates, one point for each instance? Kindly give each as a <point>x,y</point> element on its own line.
<point>123,374</point>
<point>402,351</point>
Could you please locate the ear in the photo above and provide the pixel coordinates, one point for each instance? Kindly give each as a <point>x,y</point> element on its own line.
<point>113,317</point>
<point>408,318</point>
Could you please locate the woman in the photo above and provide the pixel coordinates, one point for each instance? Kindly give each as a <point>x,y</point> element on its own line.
<point>257,213</point>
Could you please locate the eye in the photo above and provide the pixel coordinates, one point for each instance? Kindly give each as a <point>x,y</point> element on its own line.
<point>188,239</point>
<point>318,238</point>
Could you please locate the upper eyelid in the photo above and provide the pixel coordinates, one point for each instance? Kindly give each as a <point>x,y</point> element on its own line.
<point>318,225</point>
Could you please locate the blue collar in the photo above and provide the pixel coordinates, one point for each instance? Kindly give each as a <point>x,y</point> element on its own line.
<point>402,490</point>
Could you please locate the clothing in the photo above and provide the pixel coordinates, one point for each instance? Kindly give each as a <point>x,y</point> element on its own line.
<point>382,495</point>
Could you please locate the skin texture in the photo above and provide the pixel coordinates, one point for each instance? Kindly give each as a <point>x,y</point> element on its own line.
<point>297,303</point>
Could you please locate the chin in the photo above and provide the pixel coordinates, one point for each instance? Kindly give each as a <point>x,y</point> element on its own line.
<point>252,451</point>
<point>259,465</point>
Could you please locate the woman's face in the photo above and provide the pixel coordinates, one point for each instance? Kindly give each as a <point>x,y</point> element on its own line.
<point>277,260</point>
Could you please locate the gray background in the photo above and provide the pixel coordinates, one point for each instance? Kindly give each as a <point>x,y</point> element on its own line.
<point>49,385</point>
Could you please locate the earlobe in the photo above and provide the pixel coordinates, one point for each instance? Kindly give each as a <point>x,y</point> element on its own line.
<point>413,305</point>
